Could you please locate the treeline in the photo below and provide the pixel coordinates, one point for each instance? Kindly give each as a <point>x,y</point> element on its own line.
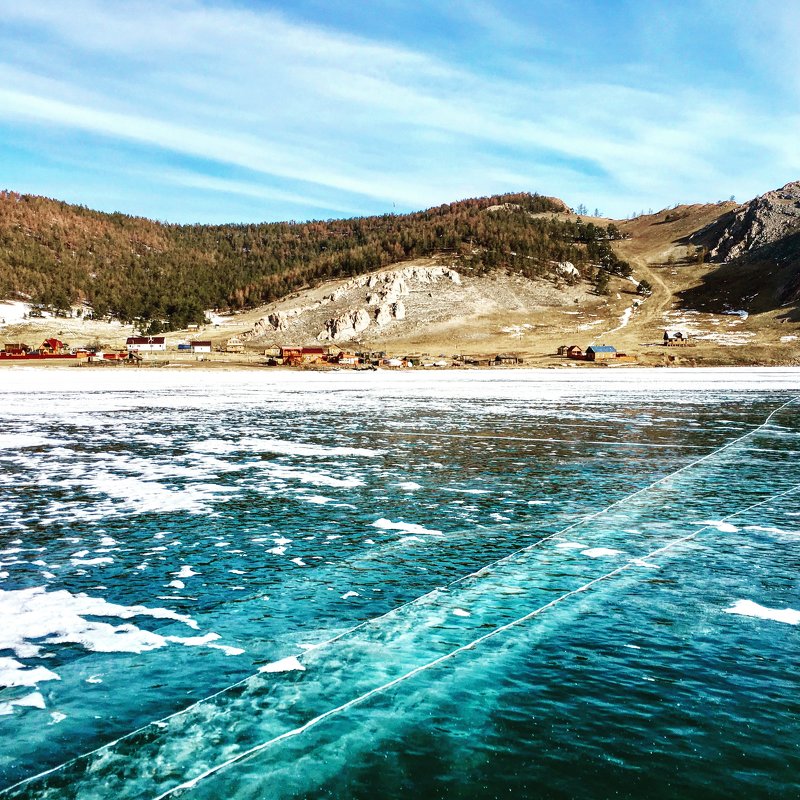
<point>166,275</point>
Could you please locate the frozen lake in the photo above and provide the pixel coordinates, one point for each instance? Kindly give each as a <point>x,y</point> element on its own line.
<point>439,585</point>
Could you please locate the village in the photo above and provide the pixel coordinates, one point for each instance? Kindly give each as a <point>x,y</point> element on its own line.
<point>156,351</point>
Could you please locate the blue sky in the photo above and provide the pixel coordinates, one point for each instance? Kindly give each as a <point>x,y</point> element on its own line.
<point>226,110</point>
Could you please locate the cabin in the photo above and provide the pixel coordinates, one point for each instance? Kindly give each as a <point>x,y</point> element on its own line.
<point>148,344</point>
<point>676,339</point>
<point>574,351</point>
<point>600,352</point>
<point>200,347</point>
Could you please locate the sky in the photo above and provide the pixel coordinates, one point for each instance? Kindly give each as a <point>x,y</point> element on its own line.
<point>246,110</point>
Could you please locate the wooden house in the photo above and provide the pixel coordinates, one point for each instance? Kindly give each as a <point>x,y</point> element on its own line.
<point>600,352</point>
<point>52,347</point>
<point>574,351</point>
<point>200,347</point>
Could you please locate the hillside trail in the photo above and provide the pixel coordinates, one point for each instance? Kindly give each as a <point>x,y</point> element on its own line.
<point>651,311</point>
<point>659,301</point>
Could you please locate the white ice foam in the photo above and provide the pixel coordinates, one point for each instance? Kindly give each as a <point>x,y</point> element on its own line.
<point>350,594</point>
<point>176,584</point>
<point>460,612</point>
<point>284,665</point>
<point>570,546</point>
<point>408,486</point>
<point>748,608</point>
<point>408,527</point>
<point>299,562</point>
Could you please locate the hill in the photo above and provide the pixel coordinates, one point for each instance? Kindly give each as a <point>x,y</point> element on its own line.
<point>164,276</point>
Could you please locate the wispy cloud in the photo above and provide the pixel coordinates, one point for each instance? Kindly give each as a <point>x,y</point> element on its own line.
<point>303,115</point>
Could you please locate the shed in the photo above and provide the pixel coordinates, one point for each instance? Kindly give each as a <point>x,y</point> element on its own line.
<point>200,347</point>
<point>507,358</point>
<point>600,352</point>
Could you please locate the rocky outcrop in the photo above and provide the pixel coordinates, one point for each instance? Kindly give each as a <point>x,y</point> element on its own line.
<point>761,222</point>
<point>347,326</point>
<point>567,269</point>
<point>362,301</point>
<point>389,312</point>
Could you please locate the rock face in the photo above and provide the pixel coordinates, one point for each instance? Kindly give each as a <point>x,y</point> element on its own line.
<point>753,225</point>
<point>346,326</point>
<point>360,303</point>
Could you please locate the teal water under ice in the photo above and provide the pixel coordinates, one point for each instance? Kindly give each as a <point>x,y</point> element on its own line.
<point>453,585</point>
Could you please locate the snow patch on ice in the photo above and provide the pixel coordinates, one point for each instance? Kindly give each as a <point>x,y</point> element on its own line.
<point>600,552</point>
<point>748,608</point>
<point>720,525</point>
<point>408,527</point>
<point>284,665</point>
<point>33,700</point>
<point>13,673</point>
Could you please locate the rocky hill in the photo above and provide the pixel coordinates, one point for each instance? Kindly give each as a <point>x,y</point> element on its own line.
<point>755,225</point>
<point>757,248</point>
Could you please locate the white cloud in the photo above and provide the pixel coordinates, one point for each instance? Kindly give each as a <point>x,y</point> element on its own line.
<point>323,112</point>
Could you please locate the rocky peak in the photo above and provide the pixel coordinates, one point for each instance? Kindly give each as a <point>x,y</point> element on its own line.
<point>760,222</point>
